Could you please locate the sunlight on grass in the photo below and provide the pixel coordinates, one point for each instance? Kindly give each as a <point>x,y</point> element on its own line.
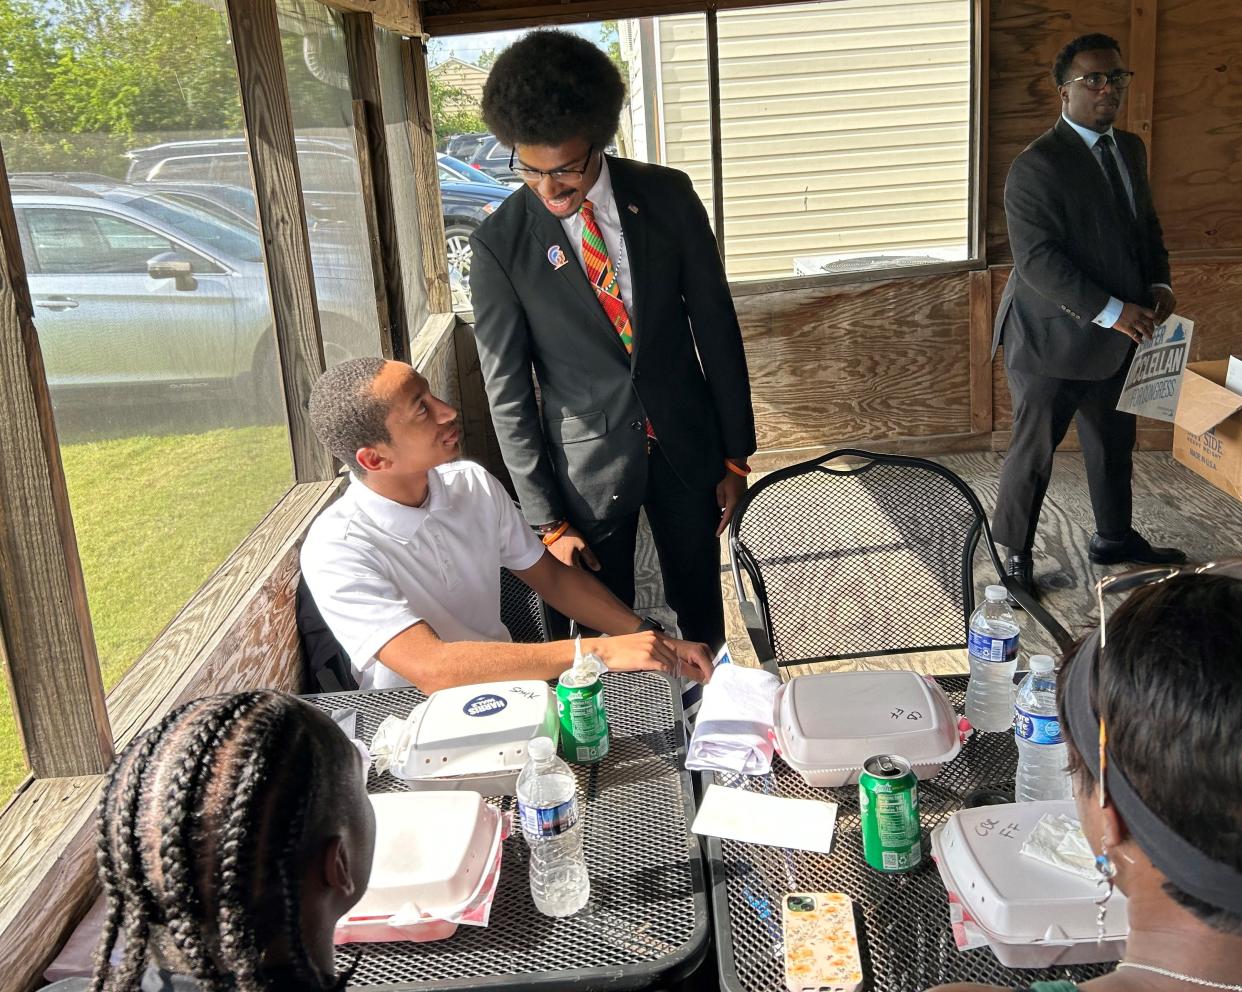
<point>154,517</point>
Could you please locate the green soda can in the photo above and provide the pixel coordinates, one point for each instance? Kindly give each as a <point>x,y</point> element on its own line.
<point>888,796</point>
<point>580,706</point>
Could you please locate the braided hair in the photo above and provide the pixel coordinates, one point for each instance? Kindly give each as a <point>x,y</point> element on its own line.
<point>205,827</point>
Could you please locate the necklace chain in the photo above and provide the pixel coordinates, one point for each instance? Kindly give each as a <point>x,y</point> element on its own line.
<point>1180,977</point>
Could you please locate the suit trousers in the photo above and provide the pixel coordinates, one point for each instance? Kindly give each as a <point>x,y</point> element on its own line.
<point>683,524</point>
<point>1042,410</point>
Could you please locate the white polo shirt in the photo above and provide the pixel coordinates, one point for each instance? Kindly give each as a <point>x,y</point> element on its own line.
<point>376,567</point>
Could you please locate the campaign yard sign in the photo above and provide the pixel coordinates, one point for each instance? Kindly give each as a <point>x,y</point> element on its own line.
<point>1155,377</point>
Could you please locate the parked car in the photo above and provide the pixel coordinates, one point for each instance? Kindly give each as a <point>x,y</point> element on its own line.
<point>462,146</point>
<point>493,158</point>
<point>465,205</point>
<point>139,296</point>
<point>454,170</point>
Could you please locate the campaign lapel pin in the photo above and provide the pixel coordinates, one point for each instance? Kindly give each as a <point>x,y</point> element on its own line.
<point>557,257</point>
<point>632,209</point>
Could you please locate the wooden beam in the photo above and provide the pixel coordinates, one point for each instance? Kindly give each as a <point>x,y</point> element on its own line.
<point>370,216</point>
<point>1142,59</point>
<point>981,351</point>
<point>980,68</point>
<point>48,641</point>
<point>426,176</point>
<point>441,17</point>
<point>714,128</point>
<point>268,121</point>
<point>401,16</point>
<point>364,82</point>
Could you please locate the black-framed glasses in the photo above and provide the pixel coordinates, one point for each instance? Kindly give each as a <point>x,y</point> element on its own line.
<point>1096,81</point>
<point>527,174</point>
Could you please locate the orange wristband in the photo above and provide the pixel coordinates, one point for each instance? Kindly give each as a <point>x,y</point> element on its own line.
<point>552,536</point>
<point>743,471</point>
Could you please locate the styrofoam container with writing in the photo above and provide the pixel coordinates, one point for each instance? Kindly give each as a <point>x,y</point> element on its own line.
<point>469,737</point>
<point>827,725</point>
<point>1034,915</point>
<point>434,852</point>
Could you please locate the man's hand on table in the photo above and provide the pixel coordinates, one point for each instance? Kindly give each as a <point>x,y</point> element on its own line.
<point>650,651</point>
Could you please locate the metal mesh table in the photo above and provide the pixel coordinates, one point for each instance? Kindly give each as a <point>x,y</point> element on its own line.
<point>647,917</point>
<point>906,938</point>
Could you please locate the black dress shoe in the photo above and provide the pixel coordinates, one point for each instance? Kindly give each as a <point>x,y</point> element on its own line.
<point>1134,547</point>
<point>1021,568</point>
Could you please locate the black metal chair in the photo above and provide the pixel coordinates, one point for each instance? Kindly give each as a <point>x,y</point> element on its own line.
<point>873,558</point>
<point>328,668</point>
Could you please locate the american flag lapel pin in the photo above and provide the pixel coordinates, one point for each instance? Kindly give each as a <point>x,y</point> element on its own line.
<point>557,257</point>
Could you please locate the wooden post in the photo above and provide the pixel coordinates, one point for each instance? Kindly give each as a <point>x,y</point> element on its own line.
<point>268,121</point>
<point>364,83</point>
<point>1142,59</point>
<point>393,15</point>
<point>48,642</point>
<point>426,176</point>
<point>980,351</point>
<point>715,129</point>
<point>370,216</point>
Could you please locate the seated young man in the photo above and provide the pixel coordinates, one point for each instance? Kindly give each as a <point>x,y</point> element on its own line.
<point>405,566</point>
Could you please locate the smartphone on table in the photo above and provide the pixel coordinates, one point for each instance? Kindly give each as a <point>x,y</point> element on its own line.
<point>821,944</point>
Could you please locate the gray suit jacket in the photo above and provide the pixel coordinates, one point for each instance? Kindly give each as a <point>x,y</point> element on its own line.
<point>581,452</point>
<point>1072,250</point>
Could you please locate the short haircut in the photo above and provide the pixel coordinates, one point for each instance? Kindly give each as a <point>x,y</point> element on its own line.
<point>1083,43</point>
<point>345,412</point>
<point>551,87</point>
<point>1169,689</point>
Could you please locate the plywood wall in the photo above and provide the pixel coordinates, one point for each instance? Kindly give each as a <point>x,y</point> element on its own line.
<point>891,360</point>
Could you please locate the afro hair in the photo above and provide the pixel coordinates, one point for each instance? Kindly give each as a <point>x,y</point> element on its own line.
<point>551,87</point>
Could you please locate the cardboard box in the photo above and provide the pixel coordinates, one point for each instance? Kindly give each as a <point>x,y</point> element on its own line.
<point>1207,429</point>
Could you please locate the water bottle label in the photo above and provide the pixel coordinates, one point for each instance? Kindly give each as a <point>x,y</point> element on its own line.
<point>551,821</point>
<point>1037,729</point>
<point>992,648</point>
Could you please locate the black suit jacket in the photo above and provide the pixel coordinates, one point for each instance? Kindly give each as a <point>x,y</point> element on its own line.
<point>1072,250</point>
<point>583,455</point>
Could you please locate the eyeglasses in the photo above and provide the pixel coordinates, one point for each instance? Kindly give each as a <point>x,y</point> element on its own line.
<point>1096,81</point>
<point>1124,582</point>
<point>527,174</point>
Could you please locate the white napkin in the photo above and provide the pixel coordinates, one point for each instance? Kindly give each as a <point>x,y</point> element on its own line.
<point>1058,841</point>
<point>733,732</point>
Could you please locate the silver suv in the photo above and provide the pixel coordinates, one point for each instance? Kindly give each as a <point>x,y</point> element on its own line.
<point>136,292</point>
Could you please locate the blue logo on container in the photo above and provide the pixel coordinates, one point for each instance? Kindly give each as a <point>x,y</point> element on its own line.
<point>485,705</point>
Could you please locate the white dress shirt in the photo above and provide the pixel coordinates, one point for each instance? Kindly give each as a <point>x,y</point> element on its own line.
<point>1112,309</point>
<point>376,567</point>
<point>608,217</point>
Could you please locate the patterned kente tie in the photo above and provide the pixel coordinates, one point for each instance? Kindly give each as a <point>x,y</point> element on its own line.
<point>603,278</point>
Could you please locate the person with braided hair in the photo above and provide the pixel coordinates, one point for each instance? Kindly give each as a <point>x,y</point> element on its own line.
<point>232,837</point>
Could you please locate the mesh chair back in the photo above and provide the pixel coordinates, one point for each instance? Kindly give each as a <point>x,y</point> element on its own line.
<point>859,559</point>
<point>521,610</point>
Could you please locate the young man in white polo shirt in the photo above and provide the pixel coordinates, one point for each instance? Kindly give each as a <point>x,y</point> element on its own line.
<point>405,566</point>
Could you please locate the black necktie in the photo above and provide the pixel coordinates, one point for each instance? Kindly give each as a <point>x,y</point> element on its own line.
<point>1114,177</point>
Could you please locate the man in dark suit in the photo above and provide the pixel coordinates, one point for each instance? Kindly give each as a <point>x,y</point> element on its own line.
<point>603,276</point>
<point>1090,279</point>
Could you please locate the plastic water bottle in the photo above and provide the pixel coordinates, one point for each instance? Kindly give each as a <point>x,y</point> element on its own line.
<point>1041,747</point>
<point>548,807</point>
<point>993,648</point>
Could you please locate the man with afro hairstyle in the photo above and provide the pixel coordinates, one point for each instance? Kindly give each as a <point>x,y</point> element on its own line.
<point>602,275</point>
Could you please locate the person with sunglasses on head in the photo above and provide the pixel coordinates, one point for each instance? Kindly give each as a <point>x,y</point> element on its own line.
<point>1151,709</point>
<point>602,275</point>
<point>1090,279</point>
<point>231,838</point>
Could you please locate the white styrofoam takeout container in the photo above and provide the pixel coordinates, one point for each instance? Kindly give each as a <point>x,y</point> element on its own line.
<point>1034,915</point>
<point>433,854</point>
<point>827,725</point>
<point>474,737</point>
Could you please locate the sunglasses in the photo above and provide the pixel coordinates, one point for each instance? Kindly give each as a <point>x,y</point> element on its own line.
<point>1122,583</point>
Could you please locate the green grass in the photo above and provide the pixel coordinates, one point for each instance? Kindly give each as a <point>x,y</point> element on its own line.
<point>154,517</point>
